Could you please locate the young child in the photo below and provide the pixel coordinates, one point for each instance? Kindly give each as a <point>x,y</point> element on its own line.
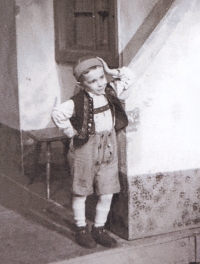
<point>91,119</point>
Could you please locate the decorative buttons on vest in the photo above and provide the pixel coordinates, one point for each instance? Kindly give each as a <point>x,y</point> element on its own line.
<point>83,121</point>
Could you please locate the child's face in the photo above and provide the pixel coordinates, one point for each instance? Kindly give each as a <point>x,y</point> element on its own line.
<point>95,81</point>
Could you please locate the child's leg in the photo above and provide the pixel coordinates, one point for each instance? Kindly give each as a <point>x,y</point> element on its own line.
<point>83,236</point>
<point>98,232</point>
<point>78,206</point>
<point>102,209</point>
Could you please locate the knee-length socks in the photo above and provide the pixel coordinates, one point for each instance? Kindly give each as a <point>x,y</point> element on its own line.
<point>102,209</point>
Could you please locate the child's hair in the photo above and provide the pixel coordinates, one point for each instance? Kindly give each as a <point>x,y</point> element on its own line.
<point>84,64</point>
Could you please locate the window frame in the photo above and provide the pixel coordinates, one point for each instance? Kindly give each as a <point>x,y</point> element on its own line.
<point>65,54</point>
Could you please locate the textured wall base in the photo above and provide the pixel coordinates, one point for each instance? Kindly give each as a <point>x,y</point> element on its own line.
<point>11,150</point>
<point>157,204</point>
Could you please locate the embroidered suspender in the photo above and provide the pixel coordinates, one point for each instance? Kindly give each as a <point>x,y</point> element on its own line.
<point>101,109</point>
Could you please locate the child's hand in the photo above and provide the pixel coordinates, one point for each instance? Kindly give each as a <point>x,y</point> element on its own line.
<point>70,132</point>
<point>113,72</point>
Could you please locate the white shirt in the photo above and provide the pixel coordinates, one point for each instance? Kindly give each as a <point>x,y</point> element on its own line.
<point>103,121</point>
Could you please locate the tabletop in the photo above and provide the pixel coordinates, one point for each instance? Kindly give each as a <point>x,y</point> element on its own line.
<point>47,134</point>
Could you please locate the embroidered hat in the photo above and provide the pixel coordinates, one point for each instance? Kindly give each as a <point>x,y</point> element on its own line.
<point>85,63</point>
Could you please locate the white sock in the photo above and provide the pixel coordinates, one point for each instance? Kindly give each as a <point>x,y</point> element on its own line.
<point>78,206</point>
<point>102,209</point>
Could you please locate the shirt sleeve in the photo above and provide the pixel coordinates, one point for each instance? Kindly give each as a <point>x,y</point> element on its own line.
<point>61,115</point>
<point>122,82</point>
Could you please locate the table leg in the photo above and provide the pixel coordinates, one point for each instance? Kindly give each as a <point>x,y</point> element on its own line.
<point>48,167</point>
<point>37,152</point>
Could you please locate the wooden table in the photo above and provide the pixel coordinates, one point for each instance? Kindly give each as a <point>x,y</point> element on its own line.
<point>47,135</point>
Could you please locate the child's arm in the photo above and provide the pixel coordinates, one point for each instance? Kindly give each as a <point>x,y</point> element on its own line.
<point>61,115</point>
<point>112,72</point>
<point>122,79</point>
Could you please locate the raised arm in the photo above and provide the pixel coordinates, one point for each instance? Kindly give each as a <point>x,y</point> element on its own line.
<point>122,79</point>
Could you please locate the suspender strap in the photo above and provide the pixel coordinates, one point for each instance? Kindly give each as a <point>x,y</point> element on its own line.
<point>101,109</point>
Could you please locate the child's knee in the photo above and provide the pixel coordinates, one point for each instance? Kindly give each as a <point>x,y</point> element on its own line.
<point>105,199</point>
<point>78,201</point>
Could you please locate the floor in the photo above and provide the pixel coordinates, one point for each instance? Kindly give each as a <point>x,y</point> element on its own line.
<point>25,241</point>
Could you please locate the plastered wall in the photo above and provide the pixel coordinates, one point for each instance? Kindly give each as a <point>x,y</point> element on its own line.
<point>136,21</point>
<point>42,83</point>
<point>166,96</point>
<point>131,15</point>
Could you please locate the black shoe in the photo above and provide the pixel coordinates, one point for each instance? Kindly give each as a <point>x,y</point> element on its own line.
<point>102,237</point>
<point>84,238</point>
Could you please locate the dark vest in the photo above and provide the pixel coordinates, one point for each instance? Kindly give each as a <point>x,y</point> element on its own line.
<point>83,120</point>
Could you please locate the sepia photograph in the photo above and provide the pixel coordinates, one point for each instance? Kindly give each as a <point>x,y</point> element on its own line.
<point>100,131</point>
